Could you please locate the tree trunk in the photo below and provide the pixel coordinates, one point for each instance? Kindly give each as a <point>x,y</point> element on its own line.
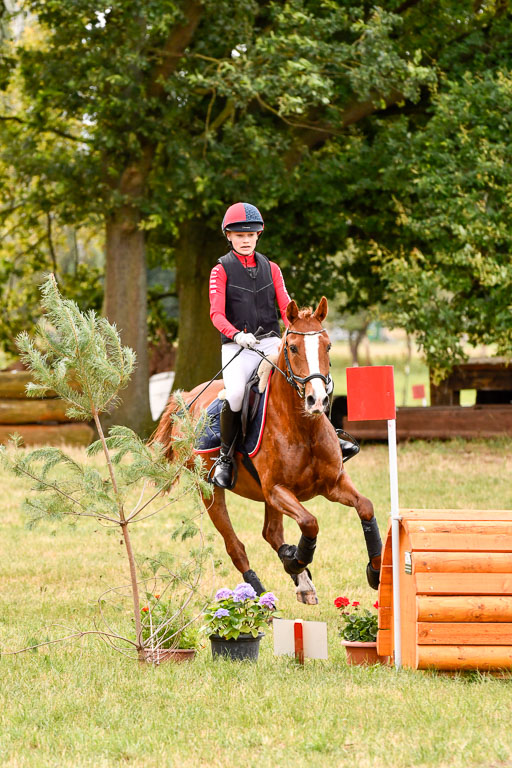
<point>126,306</point>
<point>198,357</point>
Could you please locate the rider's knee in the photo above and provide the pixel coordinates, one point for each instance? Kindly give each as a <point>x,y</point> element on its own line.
<point>235,398</point>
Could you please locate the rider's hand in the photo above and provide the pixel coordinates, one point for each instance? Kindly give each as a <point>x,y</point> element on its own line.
<point>246,340</point>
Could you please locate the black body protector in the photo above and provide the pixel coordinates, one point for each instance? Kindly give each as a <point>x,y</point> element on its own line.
<point>250,295</point>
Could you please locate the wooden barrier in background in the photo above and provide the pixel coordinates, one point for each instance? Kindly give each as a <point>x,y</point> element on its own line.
<point>455,590</point>
<point>36,420</point>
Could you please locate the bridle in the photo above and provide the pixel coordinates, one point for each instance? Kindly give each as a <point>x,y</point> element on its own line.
<point>298,382</point>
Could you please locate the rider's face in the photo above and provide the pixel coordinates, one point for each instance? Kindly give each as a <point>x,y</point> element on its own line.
<point>243,242</point>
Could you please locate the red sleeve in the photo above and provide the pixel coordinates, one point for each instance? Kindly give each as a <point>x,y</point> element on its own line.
<point>217,294</point>
<point>282,296</point>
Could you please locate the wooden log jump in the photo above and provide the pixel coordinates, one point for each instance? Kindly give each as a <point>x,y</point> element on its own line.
<point>37,420</point>
<point>455,590</point>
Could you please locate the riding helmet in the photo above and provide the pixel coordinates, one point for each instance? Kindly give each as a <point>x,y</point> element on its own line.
<point>242,217</point>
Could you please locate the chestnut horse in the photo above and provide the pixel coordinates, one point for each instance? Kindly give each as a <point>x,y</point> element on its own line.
<point>299,457</point>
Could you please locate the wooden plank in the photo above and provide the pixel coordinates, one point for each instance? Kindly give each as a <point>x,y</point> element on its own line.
<point>387,553</point>
<point>461,562</point>
<point>481,374</point>
<point>49,434</point>
<point>407,607</point>
<point>464,608</point>
<point>464,633</point>
<point>459,657</point>
<point>384,642</point>
<point>31,411</point>
<point>442,422</point>
<point>385,618</point>
<point>456,514</point>
<point>456,527</point>
<point>13,384</point>
<point>463,583</point>
<point>447,542</point>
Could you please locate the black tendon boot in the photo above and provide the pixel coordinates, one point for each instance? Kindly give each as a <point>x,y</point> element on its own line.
<point>350,447</point>
<point>229,425</point>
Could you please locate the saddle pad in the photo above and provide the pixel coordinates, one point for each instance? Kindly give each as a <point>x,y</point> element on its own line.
<point>210,439</point>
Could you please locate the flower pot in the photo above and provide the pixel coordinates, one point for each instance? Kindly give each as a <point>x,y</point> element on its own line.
<point>159,655</point>
<point>363,653</point>
<point>244,648</point>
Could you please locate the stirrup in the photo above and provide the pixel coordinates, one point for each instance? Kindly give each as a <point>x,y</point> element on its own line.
<point>223,473</point>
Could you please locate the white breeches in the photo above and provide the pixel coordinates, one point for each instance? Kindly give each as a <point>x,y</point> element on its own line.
<point>238,372</point>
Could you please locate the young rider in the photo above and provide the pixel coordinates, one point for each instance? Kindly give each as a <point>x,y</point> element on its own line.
<point>244,289</point>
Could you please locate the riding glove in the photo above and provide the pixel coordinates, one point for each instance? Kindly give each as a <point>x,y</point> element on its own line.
<point>246,340</point>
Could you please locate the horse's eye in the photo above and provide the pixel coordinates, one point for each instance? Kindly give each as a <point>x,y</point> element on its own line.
<point>293,349</point>
<point>329,347</point>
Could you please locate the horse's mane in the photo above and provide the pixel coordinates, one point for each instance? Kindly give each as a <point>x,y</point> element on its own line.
<point>305,313</point>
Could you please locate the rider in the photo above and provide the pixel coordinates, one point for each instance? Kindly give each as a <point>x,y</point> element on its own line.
<point>244,289</point>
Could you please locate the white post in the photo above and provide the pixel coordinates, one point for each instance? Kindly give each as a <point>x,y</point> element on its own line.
<point>395,517</point>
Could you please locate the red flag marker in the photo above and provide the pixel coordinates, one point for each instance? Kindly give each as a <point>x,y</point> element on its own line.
<point>371,397</point>
<point>371,393</point>
<point>418,391</point>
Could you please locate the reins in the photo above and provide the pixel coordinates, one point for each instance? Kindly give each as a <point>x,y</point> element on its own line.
<point>290,377</point>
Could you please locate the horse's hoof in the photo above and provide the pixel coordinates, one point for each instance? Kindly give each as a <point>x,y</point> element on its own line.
<point>251,578</point>
<point>373,576</point>
<point>309,598</point>
<point>305,589</point>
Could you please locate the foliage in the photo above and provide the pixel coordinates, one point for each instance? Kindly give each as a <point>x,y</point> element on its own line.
<point>368,133</point>
<point>81,358</point>
<point>239,611</point>
<point>357,625</point>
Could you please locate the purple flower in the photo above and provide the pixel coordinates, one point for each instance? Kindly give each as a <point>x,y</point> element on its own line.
<point>243,592</point>
<point>220,612</point>
<point>268,600</point>
<point>223,594</point>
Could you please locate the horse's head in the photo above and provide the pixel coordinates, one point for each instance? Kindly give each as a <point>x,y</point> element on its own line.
<point>306,353</point>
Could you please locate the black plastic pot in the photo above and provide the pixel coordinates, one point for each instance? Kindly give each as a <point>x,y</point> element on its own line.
<point>244,648</point>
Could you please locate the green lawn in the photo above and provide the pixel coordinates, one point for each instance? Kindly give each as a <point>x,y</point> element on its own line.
<point>81,704</point>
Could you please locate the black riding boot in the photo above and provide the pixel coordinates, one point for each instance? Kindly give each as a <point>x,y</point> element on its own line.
<point>348,448</point>
<point>229,425</point>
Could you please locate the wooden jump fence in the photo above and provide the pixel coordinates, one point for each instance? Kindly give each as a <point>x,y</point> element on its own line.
<point>37,420</point>
<point>455,590</point>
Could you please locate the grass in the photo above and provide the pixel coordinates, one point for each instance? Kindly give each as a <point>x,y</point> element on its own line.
<point>81,704</point>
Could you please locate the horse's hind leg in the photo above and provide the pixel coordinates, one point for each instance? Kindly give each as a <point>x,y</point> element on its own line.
<point>295,559</point>
<point>220,518</point>
<point>346,493</point>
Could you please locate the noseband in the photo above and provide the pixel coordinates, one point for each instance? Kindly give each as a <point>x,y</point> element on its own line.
<point>298,383</point>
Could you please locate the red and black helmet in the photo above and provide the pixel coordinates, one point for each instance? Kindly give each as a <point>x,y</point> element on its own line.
<point>242,217</point>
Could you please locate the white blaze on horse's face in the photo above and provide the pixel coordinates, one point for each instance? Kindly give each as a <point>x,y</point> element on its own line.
<point>317,356</point>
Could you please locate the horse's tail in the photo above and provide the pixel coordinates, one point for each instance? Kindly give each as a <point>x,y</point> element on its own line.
<point>163,433</point>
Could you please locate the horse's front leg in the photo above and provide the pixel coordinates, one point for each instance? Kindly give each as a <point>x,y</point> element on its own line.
<point>234,547</point>
<point>345,492</point>
<point>295,559</point>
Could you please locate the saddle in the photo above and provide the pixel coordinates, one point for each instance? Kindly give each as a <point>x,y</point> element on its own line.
<point>253,414</point>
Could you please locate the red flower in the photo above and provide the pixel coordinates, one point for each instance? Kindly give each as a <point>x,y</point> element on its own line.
<point>376,604</point>
<point>145,609</point>
<point>355,603</point>
<point>341,602</point>
<point>157,597</point>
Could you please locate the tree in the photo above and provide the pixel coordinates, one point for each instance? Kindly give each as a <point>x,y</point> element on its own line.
<point>174,110</point>
<point>168,114</point>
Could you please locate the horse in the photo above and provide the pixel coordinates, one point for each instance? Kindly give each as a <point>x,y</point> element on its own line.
<point>299,457</point>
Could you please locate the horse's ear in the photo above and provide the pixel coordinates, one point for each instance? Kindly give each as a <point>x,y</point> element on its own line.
<point>292,312</point>
<point>321,311</point>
